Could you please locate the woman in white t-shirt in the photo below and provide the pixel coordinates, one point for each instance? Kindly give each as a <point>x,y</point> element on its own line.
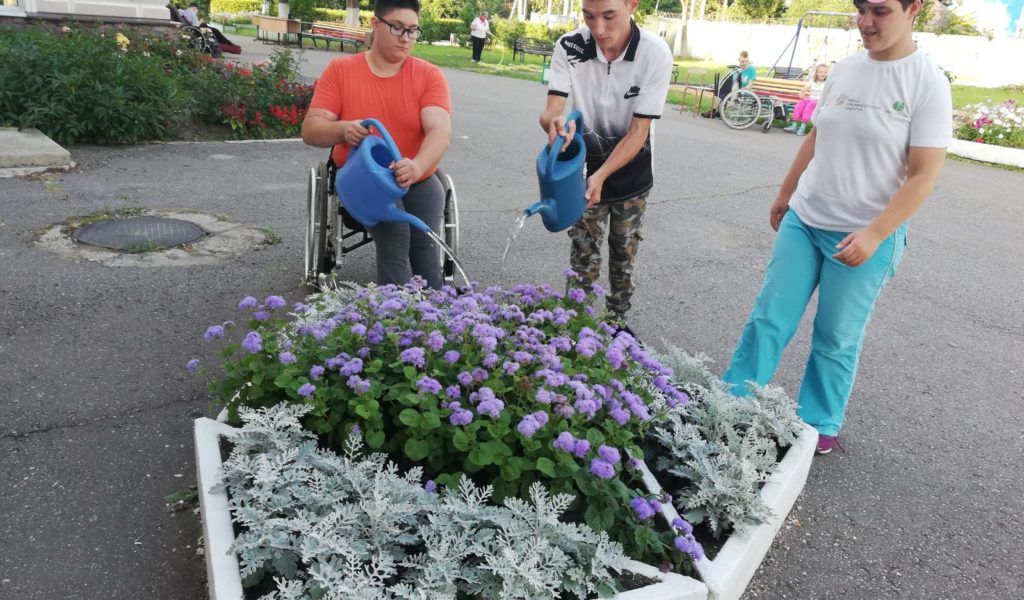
<point>809,99</point>
<point>878,145</point>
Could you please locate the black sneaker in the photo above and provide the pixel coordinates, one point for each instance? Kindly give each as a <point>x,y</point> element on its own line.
<point>710,114</point>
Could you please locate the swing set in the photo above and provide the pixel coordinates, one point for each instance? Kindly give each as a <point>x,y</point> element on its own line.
<point>820,56</point>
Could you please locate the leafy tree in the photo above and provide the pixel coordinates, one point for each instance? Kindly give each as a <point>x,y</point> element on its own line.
<point>760,9</point>
<point>797,8</point>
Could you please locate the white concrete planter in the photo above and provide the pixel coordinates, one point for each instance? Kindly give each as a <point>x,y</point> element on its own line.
<point>1000,155</point>
<point>225,582</point>
<point>729,573</point>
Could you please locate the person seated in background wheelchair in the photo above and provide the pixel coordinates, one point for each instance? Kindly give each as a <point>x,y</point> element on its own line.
<point>410,97</point>
<point>746,73</point>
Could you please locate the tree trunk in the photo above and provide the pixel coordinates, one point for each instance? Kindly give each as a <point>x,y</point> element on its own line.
<point>352,12</point>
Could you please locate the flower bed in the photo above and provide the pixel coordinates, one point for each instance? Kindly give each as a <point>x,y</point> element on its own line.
<point>993,124</point>
<point>515,391</point>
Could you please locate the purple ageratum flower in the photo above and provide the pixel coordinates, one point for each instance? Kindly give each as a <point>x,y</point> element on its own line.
<point>609,454</point>
<point>491,407</point>
<point>357,384</point>
<point>306,390</point>
<point>453,391</point>
<point>618,414</point>
<point>214,331</point>
<point>565,442</point>
<point>355,430</point>
<point>490,360</point>
<point>561,343</point>
<point>299,308</point>
<point>532,422</point>
<point>261,315</point>
<point>682,525</point>
<point>581,448</point>
<point>598,290</point>
<point>376,334</point>
<point>544,396</point>
<point>479,374</point>
<point>460,416</point>
<point>428,385</point>
<point>452,356</point>
<point>464,378</point>
<point>590,311</point>
<point>435,341</point>
<point>576,295</point>
<point>286,358</point>
<point>247,302</point>
<point>316,371</point>
<point>275,302</point>
<point>430,487</point>
<point>358,329</point>
<point>192,365</point>
<point>510,367</point>
<point>363,352</point>
<point>633,464</point>
<point>570,274</point>
<point>522,357</point>
<point>588,346</point>
<point>642,508</point>
<point>602,469</point>
<point>352,367</point>
<point>565,411</point>
<point>390,305</point>
<point>587,407</point>
<point>489,343</point>
<point>690,546</point>
<point>414,356</point>
<point>253,342</point>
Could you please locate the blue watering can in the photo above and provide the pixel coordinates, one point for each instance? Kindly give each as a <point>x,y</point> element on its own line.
<point>563,181</point>
<point>367,187</point>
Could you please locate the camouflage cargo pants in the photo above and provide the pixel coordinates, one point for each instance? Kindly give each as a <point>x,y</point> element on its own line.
<point>624,234</point>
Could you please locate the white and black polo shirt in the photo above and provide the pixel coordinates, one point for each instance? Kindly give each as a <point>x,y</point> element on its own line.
<point>609,95</point>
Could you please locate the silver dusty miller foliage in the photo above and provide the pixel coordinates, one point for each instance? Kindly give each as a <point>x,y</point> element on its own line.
<point>722,447</point>
<point>328,526</point>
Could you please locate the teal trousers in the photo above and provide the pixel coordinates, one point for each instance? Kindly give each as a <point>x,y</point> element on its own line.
<point>801,262</point>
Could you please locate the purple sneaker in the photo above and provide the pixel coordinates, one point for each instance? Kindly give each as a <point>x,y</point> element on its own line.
<point>826,443</point>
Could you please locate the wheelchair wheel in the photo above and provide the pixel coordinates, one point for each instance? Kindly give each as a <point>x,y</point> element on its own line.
<point>740,109</point>
<point>450,233</point>
<point>319,220</point>
<point>196,39</point>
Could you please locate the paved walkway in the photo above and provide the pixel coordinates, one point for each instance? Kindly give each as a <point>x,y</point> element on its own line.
<point>96,406</point>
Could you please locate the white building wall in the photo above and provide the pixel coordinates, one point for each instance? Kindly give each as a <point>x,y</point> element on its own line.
<point>139,9</point>
<point>974,60</point>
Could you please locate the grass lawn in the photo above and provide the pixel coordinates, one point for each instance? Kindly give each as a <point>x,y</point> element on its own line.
<point>495,61</point>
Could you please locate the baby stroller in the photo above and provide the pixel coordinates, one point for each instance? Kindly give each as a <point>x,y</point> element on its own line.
<point>330,229</point>
<point>204,38</point>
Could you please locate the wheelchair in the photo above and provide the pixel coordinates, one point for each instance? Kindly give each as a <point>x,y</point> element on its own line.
<point>332,233</point>
<point>743,107</point>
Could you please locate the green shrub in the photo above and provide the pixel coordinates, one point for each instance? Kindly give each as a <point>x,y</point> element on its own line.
<point>338,15</point>
<point>441,29</point>
<point>507,31</point>
<point>261,101</point>
<point>236,6</point>
<point>82,87</point>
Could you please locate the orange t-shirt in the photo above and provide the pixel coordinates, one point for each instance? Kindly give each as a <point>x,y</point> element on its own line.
<point>349,89</point>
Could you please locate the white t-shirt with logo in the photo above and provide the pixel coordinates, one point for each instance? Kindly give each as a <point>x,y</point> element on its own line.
<point>868,117</point>
<point>609,95</point>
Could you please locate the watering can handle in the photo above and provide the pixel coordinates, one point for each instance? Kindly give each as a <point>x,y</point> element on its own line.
<point>555,149</point>
<point>385,135</point>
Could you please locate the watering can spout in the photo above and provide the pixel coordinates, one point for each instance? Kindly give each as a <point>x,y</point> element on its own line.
<point>542,206</point>
<point>399,215</point>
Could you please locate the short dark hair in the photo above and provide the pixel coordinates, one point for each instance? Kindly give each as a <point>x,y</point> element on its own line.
<point>906,3</point>
<point>191,4</point>
<point>383,7</point>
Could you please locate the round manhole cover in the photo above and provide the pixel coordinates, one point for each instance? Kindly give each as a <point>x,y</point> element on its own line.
<point>139,233</point>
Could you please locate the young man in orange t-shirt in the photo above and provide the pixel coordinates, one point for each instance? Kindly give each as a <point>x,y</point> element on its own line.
<point>410,97</point>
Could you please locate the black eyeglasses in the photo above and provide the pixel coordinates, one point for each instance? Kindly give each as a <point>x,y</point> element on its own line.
<point>400,31</point>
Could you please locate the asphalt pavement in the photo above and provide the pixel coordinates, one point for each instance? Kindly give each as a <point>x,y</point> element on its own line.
<point>96,407</point>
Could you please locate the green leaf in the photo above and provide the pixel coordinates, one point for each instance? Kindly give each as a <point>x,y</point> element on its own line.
<point>363,411</point>
<point>585,482</point>
<point>410,372</point>
<point>597,519</point>
<point>375,439</point>
<point>595,437</point>
<point>481,456</point>
<point>546,466</point>
<point>460,440</point>
<point>410,417</point>
<point>284,380</point>
<point>410,399</point>
<point>416,449</point>
<point>430,420</point>
<point>511,471</point>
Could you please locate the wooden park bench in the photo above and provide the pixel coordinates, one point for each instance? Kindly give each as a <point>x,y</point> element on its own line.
<point>524,46</point>
<point>786,90</point>
<point>336,32</point>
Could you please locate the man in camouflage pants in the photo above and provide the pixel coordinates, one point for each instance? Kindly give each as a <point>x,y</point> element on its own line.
<point>618,76</point>
<point>623,240</point>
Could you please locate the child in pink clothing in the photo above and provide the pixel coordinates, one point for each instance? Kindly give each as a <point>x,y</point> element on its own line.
<point>805,107</point>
